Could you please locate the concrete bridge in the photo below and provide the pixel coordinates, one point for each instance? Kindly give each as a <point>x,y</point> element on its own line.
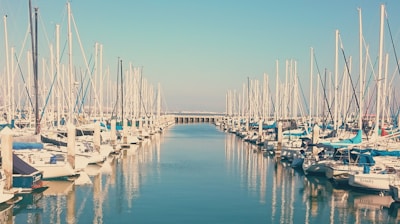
<point>197,118</point>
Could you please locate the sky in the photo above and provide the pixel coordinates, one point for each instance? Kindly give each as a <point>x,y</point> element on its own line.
<point>198,50</point>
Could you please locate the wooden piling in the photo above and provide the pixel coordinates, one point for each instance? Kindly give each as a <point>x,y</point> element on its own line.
<point>6,156</point>
<point>113,132</point>
<point>71,130</point>
<point>96,136</point>
<point>315,138</point>
<point>125,131</point>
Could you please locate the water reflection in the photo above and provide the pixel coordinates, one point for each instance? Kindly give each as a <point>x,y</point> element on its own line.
<point>293,197</point>
<point>70,202</point>
<point>118,188</point>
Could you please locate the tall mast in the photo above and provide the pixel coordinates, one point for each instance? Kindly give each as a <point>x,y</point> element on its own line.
<point>311,83</point>
<point>37,129</point>
<point>335,115</point>
<point>159,101</point>
<point>378,91</point>
<point>7,70</point>
<point>71,77</point>
<point>58,75</point>
<point>276,91</point>
<point>101,82</point>
<point>35,65</point>
<point>361,71</point>
<point>122,93</point>
<point>95,78</point>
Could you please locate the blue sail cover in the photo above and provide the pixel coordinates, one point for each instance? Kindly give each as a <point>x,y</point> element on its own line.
<point>345,142</point>
<point>385,153</point>
<point>271,126</point>
<point>297,134</point>
<point>27,145</point>
<point>21,167</point>
<point>264,127</point>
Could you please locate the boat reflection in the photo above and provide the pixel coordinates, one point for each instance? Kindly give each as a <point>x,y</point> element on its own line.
<point>294,197</point>
<point>29,203</point>
<point>58,187</point>
<point>394,212</point>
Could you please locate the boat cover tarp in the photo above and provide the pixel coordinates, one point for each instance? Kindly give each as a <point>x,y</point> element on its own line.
<point>46,139</point>
<point>294,133</point>
<point>364,159</point>
<point>21,167</point>
<point>117,127</point>
<point>27,145</point>
<point>385,153</point>
<point>264,126</point>
<point>345,142</point>
<point>269,126</point>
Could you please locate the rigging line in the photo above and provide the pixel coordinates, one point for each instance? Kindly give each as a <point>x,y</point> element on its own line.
<point>44,31</point>
<point>391,109</point>
<point>75,106</point>
<point>323,87</point>
<point>83,55</point>
<point>369,81</point>
<point>85,91</point>
<point>394,49</point>
<point>48,97</point>
<point>272,100</point>
<point>23,79</point>
<point>141,96</point>
<point>304,97</point>
<point>365,91</point>
<point>348,72</point>
<point>165,102</point>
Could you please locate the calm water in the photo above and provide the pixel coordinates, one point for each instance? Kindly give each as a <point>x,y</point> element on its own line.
<point>198,174</point>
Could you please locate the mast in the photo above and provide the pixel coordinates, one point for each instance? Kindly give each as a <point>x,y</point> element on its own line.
<point>58,75</point>
<point>71,77</point>
<point>101,82</point>
<point>36,78</point>
<point>7,70</point>
<point>276,90</point>
<point>96,45</point>
<point>378,91</point>
<point>35,65</point>
<point>361,71</point>
<point>311,83</point>
<point>122,94</point>
<point>159,101</point>
<point>335,116</point>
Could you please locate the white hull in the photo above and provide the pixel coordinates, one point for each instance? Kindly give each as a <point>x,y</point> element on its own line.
<point>315,166</point>
<point>372,181</point>
<point>51,171</point>
<point>45,162</point>
<point>339,170</point>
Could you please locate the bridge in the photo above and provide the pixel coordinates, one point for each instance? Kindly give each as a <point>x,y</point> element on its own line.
<point>181,118</point>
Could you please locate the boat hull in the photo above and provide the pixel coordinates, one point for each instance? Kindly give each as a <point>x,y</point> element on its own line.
<point>28,183</point>
<point>394,192</point>
<point>372,181</point>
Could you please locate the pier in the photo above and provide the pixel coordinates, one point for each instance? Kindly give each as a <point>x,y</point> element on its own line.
<point>181,118</point>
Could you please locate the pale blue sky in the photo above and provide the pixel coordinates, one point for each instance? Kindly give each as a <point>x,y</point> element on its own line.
<point>198,50</point>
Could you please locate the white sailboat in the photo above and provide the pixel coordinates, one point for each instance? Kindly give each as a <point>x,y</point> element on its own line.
<point>53,165</point>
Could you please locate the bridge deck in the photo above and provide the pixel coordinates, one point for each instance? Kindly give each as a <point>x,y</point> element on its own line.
<point>197,118</point>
